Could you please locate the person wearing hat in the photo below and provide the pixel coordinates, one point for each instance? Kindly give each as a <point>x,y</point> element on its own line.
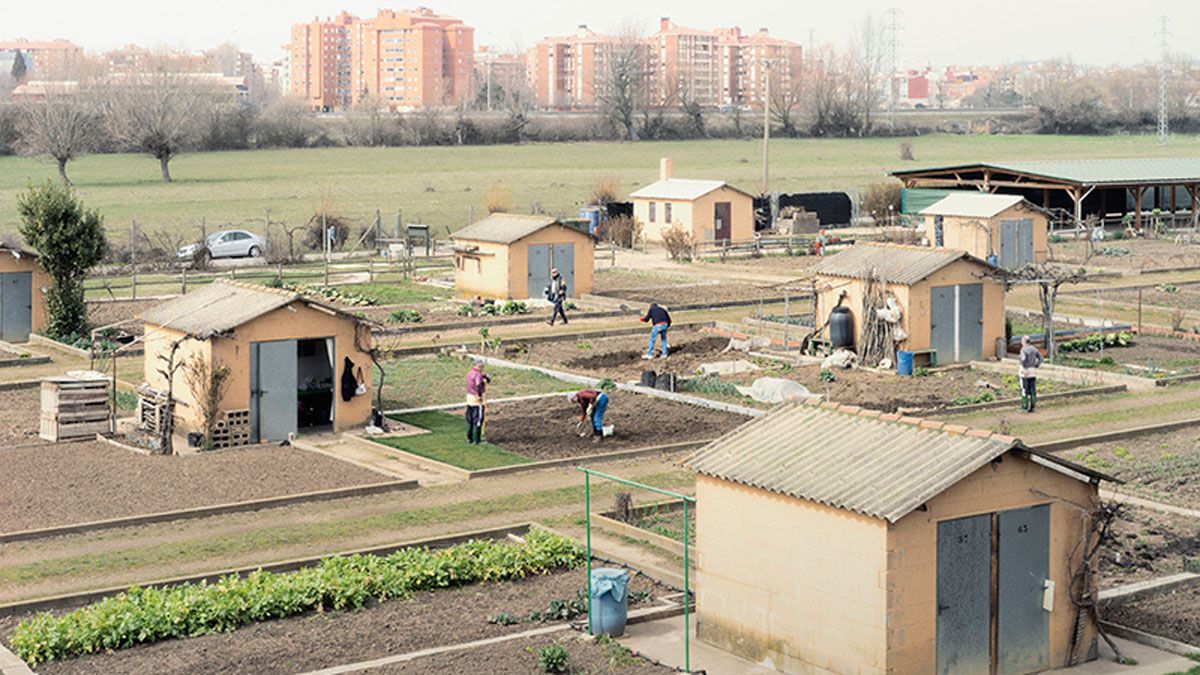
<point>1029,359</point>
<point>556,293</point>
<point>592,403</point>
<point>477,383</point>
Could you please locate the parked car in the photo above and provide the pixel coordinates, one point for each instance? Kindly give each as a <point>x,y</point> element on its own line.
<point>227,244</point>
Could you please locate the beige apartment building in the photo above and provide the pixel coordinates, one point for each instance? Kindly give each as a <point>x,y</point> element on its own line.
<point>320,62</point>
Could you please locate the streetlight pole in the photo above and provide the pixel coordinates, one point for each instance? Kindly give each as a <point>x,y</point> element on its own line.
<point>766,179</point>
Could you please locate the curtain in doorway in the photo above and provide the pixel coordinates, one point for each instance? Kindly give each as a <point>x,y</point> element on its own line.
<point>332,375</point>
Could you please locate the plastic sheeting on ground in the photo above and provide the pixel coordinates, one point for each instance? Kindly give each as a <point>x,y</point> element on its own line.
<point>774,390</point>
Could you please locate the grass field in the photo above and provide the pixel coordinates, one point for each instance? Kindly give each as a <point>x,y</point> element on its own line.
<point>434,380</point>
<point>444,186</point>
<point>446,442</point>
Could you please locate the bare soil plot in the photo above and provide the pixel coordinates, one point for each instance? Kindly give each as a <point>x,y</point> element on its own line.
<point>20,410</point>
<point>1158,253</point>
<point>60,484</point>
<point>724,291</point>
<point>520,657</point>
<point>326,639</point>
<point>1148,544</point>
<point>1186,297</point>
<point>620,358</point>
<point>1161,467</point>
<point>1173,615</point>
<point>784,264</point>
<point>609,279</point>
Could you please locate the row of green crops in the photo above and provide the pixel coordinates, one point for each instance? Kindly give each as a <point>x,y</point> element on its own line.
<point>1093,342</point>
<point>143,615</point>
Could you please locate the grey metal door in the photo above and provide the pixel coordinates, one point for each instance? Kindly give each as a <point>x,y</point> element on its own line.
<point>538,260</point>
<point>942,320</point>
<point>970,322</point>
<point>1025,242</point>
<point>564,260</point>
<point>1010,244</point>
<point>16,306</point>
<point>273,389</point>
<point>964,564</point>
<point>1024,566</point>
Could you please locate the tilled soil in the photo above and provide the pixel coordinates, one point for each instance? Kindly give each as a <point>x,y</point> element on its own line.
<point>1149,254</point>
<point>1148,544</point>
<point>19,410</point>
<point>1150,351</point>
<point>620,358</point>
<point>520,657</point>
<point>325,639</point>
<point>1162,467</point>
<point>546,428</point>
<point>703,292</point>
<point>60,484</point>
<point>1173,615</point>
<point>1187,297</point>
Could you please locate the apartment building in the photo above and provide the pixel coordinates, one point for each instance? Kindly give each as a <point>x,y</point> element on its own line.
<point>746,61</point>
<point>411,59</point>
<point>685,64</point>
<point>569,72</point>
<point>46,59</point>
<point>319,62</point>
<point>497,71</point>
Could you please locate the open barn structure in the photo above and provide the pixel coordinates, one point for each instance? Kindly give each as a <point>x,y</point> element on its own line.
<point>1078,187</point>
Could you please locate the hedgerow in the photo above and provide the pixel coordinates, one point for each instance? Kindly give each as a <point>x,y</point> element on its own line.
<point>142,615</point>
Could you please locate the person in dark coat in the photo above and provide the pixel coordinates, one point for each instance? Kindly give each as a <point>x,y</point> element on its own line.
<point>556,293</point>
<point>660,320</point>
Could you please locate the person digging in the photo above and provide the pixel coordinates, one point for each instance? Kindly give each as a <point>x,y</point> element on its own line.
<point>660,320</point>
<point>593,404</point>
<point>1029,360</point>
<point>477,383</point>
<point>556,293</point>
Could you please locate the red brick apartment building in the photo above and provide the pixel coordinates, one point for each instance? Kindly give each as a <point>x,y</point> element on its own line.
<point>406,59</point>
<point>46,59</point>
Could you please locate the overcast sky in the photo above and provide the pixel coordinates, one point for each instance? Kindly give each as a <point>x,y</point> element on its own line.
<point>934,32</point>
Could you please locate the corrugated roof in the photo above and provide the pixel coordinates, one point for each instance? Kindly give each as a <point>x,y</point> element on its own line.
<point>224,305</point>
<point>504,228</point>
<point>879,465</point>
<point>972,204</point>
<point>1092,171</point>
<point>681,188</point>
<point>890,263</point>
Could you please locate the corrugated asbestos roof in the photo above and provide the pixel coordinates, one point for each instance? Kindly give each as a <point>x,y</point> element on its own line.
<point>972,204</point>
<point>680,188</point>
<point>891,263</point>
<point>224,305</point>
<point>879,465</point>
<point>504,228</point>
<point>1093,171</point>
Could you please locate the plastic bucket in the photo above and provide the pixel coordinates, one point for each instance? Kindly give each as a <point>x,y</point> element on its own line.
<point>665,382</point>
<point>607,430</point>
<point>648,378</point>
<point>904,363</point>
<point>609,601</point>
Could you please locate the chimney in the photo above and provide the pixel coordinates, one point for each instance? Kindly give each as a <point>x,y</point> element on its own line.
<point>664,168</point>
<point>664,24</point>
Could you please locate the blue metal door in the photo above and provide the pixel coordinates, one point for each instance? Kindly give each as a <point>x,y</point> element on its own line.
<point>970,322</point>
<point>564,260</point>
<point>538,260</point>
<point>943,317</point>
<point>1024,562</point>
<point>273,390</point>
<point>964,564</point>
<point>16,306</point>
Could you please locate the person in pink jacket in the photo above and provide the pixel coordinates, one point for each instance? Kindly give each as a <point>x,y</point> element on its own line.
<point>477,383</point>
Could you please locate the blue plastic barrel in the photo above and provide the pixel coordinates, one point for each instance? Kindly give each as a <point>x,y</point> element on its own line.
<point>592,215</point>
<point>993,261</point>
<point>904,363</point>
<point>610,602</point>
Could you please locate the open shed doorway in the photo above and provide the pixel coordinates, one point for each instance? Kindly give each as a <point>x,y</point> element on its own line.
<point>291,387</point>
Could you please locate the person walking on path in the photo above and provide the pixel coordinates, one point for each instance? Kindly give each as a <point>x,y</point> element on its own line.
<point>1030,358</point>
<point>556,293</point>
<point>592,403</point>
<point>660,319</point>
<point>477,383</point>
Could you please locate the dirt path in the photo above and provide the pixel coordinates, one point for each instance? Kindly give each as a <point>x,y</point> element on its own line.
<point>1057,420</point>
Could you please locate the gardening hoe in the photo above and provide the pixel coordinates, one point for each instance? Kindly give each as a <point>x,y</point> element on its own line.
<point>482,420</point>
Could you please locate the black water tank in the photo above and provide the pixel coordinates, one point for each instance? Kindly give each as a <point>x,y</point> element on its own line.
<point>841,327</point>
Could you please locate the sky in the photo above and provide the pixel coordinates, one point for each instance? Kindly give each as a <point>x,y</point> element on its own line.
<point>1099,32</point>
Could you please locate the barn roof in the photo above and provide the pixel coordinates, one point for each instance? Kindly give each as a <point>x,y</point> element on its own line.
<point>224,305</point>
<point>890,263</point>
<point>879,465</point>
<point>1082,172</point>
<point>972,204</point>
<point>681,188</point>
<point>504,228</point>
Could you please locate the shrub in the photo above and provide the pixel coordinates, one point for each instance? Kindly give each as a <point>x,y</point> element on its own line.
<point>144,615</point>
<point>878,197</point>
<point>906,152</point>
<point>497,199</point>
<point>678,242</point>
<point>624,231</point>
<point>827,375</point>
<point>554,659</point>
<point>606,190</point>
<point>405,316</point>
<point>514,307</point>
<point>313,237</point>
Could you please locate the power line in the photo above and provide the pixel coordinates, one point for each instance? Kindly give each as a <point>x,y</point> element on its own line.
<point>893,29</point>
<point>1164,123</point>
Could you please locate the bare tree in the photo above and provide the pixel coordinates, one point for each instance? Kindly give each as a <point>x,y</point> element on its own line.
<point>370,124</point>
<point>866,60</point>
<point>622,90</point>
<point>64,126</point>
<point>1048,278</point>
<point>155,111</point>
<point>787,94</point>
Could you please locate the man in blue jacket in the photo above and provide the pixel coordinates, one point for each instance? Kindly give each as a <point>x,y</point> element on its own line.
<point>660,320</point>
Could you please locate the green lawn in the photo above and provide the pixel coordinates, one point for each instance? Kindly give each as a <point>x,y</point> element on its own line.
<point>447,442</point>
<point>432,380</point>
<point>444,186</point>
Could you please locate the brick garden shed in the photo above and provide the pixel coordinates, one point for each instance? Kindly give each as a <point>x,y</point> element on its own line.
<point>837,539</point>
<point>711,210</point>
<point>947,302</point>
<point>22,301</point>
<point>287,355</point>
<point>1006,227</point>
<point>509,256</point>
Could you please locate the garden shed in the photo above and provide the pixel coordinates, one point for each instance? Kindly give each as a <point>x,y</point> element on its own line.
<point>711,210</point>
<point>948,304</point>
<point>296,364</point>
<point>22,299</point>
<point>1004,229</point>
<point>509,256</point>
<point>837,539</point>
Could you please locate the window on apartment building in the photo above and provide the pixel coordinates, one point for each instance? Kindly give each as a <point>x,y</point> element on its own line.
<point>651,216</point>
<point>667,213</point>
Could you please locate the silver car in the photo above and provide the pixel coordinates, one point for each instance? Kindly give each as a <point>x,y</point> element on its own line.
<point>228,244</point>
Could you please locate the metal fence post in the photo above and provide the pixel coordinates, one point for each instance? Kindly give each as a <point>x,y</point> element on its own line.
<point>587,514</point>
<point>371,270</point>
<point>133,228</point>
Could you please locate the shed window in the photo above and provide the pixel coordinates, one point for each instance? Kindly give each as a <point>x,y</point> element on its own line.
<point>667,213</point>
<point>652,211</point>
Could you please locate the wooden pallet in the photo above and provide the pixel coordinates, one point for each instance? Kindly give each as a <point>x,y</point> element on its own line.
<point>74,408</point>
